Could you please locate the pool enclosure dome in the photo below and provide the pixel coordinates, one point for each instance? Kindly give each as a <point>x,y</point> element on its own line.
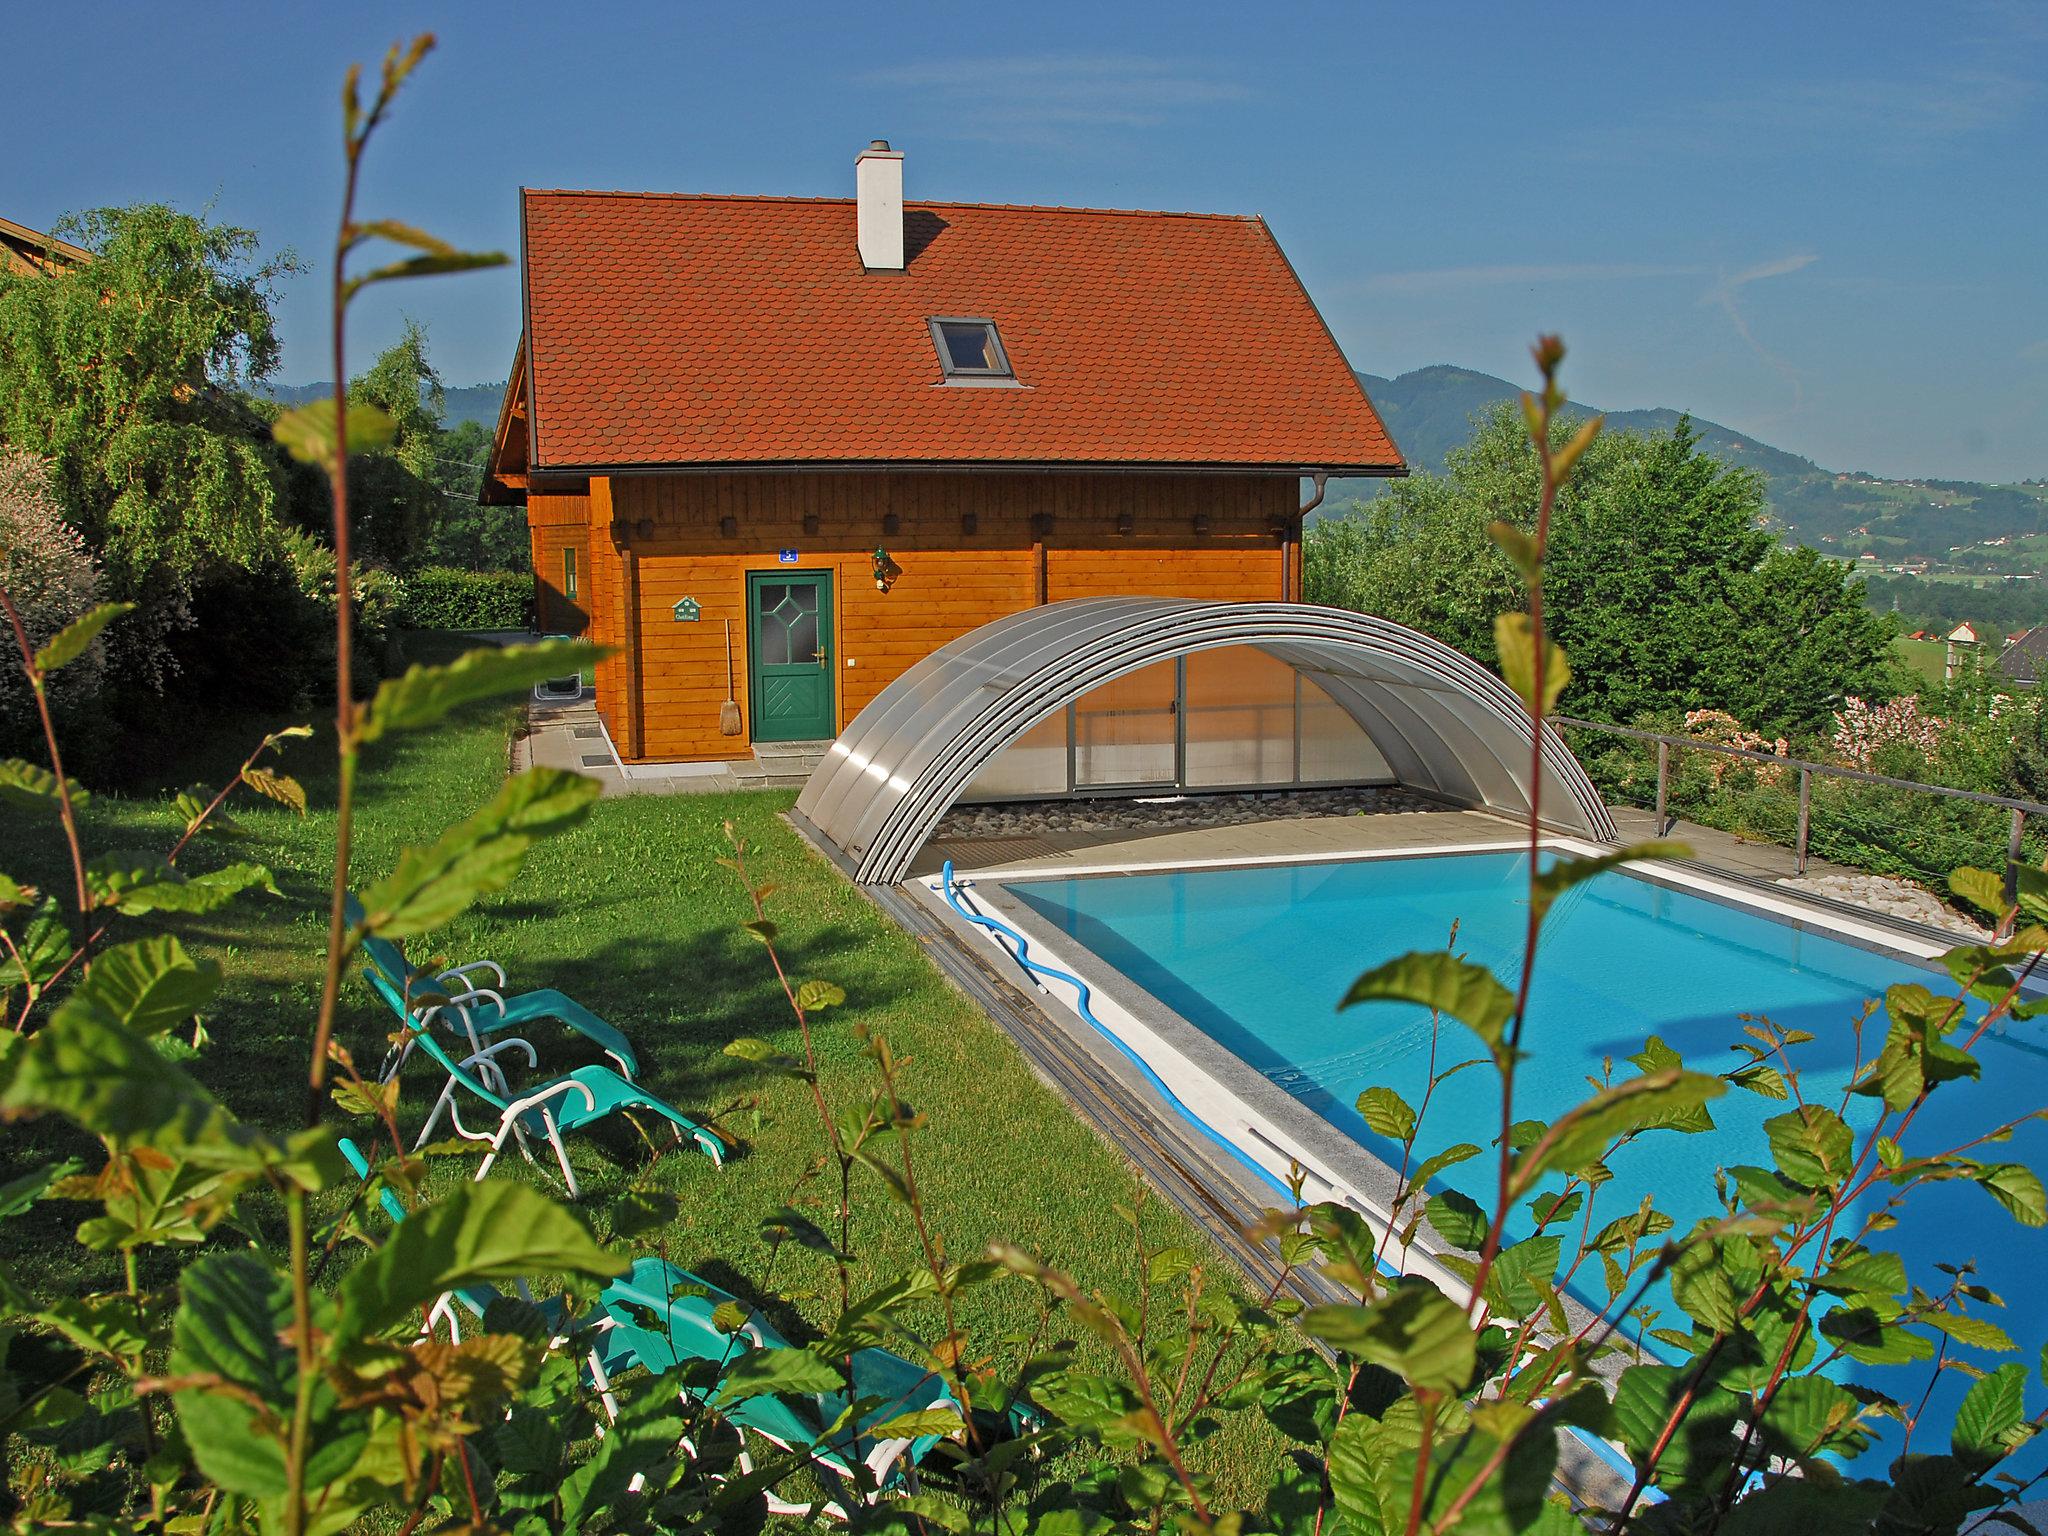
<point>1427,717</point>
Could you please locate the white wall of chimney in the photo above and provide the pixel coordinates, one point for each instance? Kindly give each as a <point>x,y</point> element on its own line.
<point>878,191</point>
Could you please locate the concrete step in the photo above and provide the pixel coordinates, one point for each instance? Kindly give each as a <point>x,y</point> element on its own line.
<point>815,750</point>
<point>776,772</point>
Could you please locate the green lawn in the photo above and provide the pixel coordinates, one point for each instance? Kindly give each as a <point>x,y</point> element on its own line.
<point>631,914</point>
<point>1926,657</point>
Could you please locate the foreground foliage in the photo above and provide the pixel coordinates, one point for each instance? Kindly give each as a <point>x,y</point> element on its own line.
<point>245,1386</point>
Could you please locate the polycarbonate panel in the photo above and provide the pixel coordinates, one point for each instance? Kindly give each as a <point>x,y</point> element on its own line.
<point>1126,731</point>
<point>1334,747</point>
<point>1033,765</point>
<point>1240,718</point>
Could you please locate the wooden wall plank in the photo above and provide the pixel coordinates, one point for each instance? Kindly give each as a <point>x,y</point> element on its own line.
<point>950,582</point>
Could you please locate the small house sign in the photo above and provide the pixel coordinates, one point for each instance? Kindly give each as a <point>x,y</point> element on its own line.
<point>786,557</point>
<point>687,610</point>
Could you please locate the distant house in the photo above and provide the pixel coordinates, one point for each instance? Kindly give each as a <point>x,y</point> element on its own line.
<point>826,436</point>
<point>1960,639</point>
<point>30,250</point>
<point>2025,657</point>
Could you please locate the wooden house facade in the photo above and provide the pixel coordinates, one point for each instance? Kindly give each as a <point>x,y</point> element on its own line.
<point>816,439</point>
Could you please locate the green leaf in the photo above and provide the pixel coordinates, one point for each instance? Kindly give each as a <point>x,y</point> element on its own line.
<point>639,1211</point>
<point>1518,546</point>
<point>1416,1332</point>
<point>2016,1187</point>
<point>112,1082</point>
<point>1515,641</point>
<point>1981,889</point>
<point>401,234</point>
<point>69,643</point>
<point>1645,1396</point>
<point>232,1311</point>
<point>791,1370</point>
<point>1458,1219</point>
<point>913,1425</point>
<point>1440,980</point>
<point>1868,1330</point>
<point>1704,1289</point>
<point>1563,873</point>
<point>424,694</point>
<point>1670,1099</point>
<point>148,985</point>
<point>749,1049</point>
<point>1853,1270</point>
<point>1386,1113</point>
<point>1523,1276</point>
<point>42,945</point>
<point>307,431</point>
<point>815,995</point>
<point>476,1233</point>
<point>1811,1146</point>
<point>1436,1163</point>
<point>158,887</point>
<point>30,788</point>
<point>423,266</point>
<point>1810,1414</point>
<point>1977,1332</point>
<point>477,856</point>
<point>18,1194</point>
<point>1991,1423</point>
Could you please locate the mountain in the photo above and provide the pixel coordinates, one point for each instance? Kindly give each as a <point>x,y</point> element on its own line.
<point>1960,526</point>
<point>470,402</point>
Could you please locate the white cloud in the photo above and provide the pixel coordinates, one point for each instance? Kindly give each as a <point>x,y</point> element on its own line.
<point>1442,279</point>
<point>1037,98</point>
<point>1725,294</point>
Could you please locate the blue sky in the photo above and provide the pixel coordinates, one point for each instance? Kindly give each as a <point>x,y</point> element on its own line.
<point>1821,223</point>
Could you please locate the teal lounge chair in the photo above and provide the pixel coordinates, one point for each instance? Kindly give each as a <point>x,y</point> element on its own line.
<point>657,1316</point>
<point>544,1109</point>
<point>480,1012</point>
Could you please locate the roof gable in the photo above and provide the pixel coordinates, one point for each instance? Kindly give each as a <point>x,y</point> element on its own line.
<point>709,331</point>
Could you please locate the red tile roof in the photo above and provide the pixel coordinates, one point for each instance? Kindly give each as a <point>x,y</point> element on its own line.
<point>743,330</point>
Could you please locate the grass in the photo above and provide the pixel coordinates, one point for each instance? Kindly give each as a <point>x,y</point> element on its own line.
<point>1926,657</point>
<point>630,914</point>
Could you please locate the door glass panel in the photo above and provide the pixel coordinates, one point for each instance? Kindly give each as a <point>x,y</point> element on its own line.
<point>1124,732</point>
<point>1240,718</point>
<point>774,630</point>
<point>789,624</point>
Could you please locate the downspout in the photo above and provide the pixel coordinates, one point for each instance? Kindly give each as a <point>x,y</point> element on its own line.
<point>1292,539</point>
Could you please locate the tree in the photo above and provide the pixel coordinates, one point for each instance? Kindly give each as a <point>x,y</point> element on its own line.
<point>123,371</point>
<point>398,501</point>
<point>1668,590</point>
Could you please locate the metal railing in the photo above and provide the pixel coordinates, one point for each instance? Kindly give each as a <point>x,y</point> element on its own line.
<point>2020,809</point>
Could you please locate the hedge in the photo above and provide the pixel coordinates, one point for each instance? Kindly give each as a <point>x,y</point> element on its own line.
<point>442,597</point>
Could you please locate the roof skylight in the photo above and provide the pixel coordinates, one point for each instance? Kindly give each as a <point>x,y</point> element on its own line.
<point>970,349</point>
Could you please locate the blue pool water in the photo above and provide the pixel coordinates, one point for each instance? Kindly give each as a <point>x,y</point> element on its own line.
<point>1257,958</point>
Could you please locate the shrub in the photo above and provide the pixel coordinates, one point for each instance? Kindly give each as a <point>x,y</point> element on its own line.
<point>47,570</point>
<point>442,597</point>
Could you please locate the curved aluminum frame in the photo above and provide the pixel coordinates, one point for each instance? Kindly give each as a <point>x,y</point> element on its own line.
<point>1444,723</point>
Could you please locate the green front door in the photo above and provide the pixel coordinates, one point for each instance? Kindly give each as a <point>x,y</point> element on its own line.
<point>789,654</point>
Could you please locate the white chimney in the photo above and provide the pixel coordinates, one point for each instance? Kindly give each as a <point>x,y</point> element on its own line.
<point>878,185</point>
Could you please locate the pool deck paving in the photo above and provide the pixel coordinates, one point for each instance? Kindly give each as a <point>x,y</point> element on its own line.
<point>1284,838</point>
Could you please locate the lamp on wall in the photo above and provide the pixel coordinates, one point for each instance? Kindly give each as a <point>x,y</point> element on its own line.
<point>886,570</point>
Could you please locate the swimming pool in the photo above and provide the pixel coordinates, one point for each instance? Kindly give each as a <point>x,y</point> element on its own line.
<point>1255,958</point>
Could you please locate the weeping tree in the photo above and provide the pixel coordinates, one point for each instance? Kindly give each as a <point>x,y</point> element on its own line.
<point>123,372</point>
